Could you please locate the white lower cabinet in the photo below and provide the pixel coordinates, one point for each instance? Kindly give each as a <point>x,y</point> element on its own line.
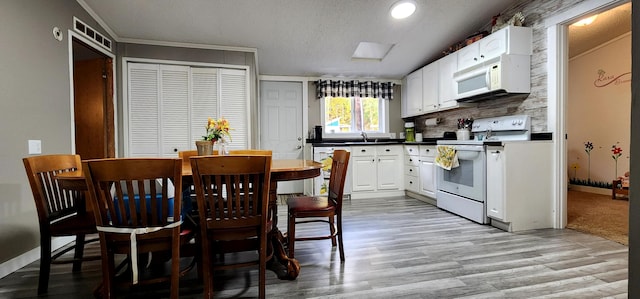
<point>364,169</point>
<point>519,193</point>
<point>427,170</point>
<point>377,170</point>
<point>389,167</point>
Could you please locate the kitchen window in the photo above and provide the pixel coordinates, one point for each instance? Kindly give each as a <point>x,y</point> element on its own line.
<point>342,115</point>
<point>348,107</point>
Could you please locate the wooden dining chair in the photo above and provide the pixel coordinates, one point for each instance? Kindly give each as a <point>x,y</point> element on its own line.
<point>315,207</point>
<point>138,211</point>
<point>60,213</point>
<point>236,218</point>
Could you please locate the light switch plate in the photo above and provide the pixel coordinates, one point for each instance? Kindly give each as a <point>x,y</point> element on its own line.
<point>35,147</point>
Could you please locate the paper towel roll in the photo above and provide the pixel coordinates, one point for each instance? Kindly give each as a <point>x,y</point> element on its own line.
<point>431,122</point>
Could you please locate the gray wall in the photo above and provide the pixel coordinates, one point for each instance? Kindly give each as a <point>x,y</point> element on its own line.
<point>34,104</point>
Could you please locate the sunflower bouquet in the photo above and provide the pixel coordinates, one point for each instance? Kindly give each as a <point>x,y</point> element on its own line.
<point>217,129</point>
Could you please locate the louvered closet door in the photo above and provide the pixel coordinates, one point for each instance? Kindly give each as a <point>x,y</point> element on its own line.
<point>143,110</point>
<point>168,107</point>
<point>204,100</point>
<point>234,106</point>
<point>174,109</point>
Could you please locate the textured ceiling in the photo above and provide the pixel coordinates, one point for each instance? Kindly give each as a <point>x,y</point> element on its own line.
<point>318,37</point>
<point>304,37</point>
<point>607,26</point>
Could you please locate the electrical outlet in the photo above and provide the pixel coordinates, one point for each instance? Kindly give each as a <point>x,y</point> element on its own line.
<point>35,147</point>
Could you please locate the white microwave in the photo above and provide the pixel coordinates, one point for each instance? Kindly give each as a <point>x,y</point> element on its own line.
<point>502,76</point>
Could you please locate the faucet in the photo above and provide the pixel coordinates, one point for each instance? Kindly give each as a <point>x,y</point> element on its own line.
<point>488,134</point>
<point>364,136</point>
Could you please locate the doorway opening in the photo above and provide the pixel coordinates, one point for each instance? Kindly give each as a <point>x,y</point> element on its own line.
<point>92,100</point>
<point>597,118</point>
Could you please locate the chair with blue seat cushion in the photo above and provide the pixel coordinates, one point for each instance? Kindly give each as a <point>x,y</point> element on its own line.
<point>133,227</point>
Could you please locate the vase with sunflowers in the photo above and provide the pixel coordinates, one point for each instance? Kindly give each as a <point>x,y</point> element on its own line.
<point>216,130</point>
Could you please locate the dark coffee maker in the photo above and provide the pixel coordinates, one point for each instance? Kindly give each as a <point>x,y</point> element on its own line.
<point>318,132</point>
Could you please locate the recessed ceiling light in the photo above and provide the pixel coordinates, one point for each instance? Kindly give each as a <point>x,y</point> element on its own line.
<point>585,21</point>
<point>403,9</point>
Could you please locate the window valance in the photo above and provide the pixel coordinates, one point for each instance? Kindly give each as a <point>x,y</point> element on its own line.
<point>340,88</point>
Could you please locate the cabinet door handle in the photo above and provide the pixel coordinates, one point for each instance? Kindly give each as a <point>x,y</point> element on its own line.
<point>175,150</point>
<point>387,150</point>
<point>363,150</point>
<point>410,170</point>
<point>427,150</point>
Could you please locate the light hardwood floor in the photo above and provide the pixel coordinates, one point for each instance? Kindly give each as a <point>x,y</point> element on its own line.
<point>402,248</point>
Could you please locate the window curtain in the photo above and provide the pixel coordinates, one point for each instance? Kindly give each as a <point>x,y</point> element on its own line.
<point>339,88</point>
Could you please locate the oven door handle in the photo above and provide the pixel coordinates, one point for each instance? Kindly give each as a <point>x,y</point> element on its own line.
<point>470,148</point>
<point>468,155</point>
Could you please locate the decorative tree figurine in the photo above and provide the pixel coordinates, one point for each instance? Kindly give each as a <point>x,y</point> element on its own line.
<point>588,147</point>
<point>616,152</point>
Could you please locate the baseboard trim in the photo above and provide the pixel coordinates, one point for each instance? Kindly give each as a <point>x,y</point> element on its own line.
<point>31,256</point>
<point>376,194</point>
<point>602,191</point>
<point>429,200</point>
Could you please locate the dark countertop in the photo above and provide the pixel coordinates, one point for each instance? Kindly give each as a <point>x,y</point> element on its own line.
<point>425,141</point>
<point>359,142</point>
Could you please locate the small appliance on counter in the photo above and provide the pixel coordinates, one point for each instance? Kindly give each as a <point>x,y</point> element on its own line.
<point>318,133</point>
<point>409,131</point>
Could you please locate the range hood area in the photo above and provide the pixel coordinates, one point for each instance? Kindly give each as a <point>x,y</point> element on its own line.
<point>492,95</point>
<point>496,66</point>
<point>504,76</point>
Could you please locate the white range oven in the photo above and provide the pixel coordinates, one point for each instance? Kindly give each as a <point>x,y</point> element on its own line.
<point>463,189</point>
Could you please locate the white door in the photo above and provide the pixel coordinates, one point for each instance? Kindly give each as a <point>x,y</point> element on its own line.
<point>281,125</point>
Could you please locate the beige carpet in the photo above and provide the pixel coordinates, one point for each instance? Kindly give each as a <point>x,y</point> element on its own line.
<point>599,215</point>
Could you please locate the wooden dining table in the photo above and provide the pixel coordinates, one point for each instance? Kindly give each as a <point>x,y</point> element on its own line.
<point>281,170</point>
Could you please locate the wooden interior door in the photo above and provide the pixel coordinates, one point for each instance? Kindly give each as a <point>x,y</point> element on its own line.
<point>94,111</point>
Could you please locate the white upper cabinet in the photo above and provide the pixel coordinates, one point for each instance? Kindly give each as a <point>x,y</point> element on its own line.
<point>430,88</point>
<point>508,40</point>
<point>447,92</point>
<point>412,99</point>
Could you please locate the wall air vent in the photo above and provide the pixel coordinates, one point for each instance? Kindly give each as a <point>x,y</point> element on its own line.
<point>91,34</point>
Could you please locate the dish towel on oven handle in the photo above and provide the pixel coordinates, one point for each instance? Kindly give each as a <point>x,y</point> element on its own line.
<point>446,157</point>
